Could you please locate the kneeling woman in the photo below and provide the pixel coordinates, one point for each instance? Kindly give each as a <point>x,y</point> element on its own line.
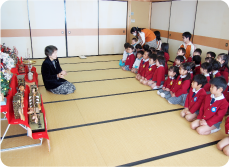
<point>53,75</point>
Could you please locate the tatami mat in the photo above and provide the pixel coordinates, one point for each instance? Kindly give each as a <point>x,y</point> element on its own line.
<point>111,120</point>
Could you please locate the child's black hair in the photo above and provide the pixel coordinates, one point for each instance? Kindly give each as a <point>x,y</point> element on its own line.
<point>200,79</point>
<point>131,46</point>
<point>49,50</point>
<point>138,46</point>
<point>224,57</point>
<point>192,65</point>
<point>146,47</point>
<point>208,59</point>
<point>140,52</point>
<point>215,65</point>
<point>198,50</point>
<point>160,53</point>
<point>207,66</point>
<point>187,35</point>
<point>152,49</point>
<point>196,59</point>
<point>161,60</point>
<point>153,56</point>
<point>183,50</point>
<point>158,35</point>
<point>213,55</point>
<point>165,47</point>
<point>187,67</point>
<point>219,82</point>
<point>126,45</point>
<point>176,70</point>
<point>181,58</point>
<point>148,51</point>
<point>135,39</point>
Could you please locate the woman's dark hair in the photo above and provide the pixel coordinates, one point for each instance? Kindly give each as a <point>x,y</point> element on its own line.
<point>219,82</point>
<point>138,46</point>
<point>187,67</point>
<point>160,53</point>
<point>213,55</point>
<point>224,57</point>
<point>126,45</point>
<point>215,65</point>
<point>200,79</point>
<point>187,35</point>
<point>146,47</point>
<point>196,59</point>
<point>176,70</point>
<point>140,52</point>
<point>207,66</point>
<point>161,60</point>
<point>165,47</point>
<point>133,29</point>
<point>49,50</point>
<point>181,58</point>
<point>158,35</point>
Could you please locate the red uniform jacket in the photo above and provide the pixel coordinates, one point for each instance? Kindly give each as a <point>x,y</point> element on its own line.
<point>224,72</point>
<point>227,125</point>
<point>189,59</point>
<point>130,61</point>
<point>207,85</point>
<point>142,67</point>
<point>214,113</point>
<point>169,83</point>
<point>159,75</point>
<point>191,76</point>
<point>197,70</point>
<point>166,55</point>
<point>194,103</point>
<point>226,93</point>
<point>180,87</point>
<point>166,68</point>
<point>217,74</point>
<point>149,71</point>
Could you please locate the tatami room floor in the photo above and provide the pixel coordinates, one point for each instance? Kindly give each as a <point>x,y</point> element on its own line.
<point>111,120</point>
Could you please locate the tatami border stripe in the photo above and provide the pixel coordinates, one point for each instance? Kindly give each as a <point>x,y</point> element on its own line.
<point>170,154</point>
<point>101,122</point>
<point>98,80</point>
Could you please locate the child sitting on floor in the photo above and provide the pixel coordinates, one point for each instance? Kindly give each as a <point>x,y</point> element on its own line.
<point>194,99</point>
<point>206,69</point>
<point>137,62</point>
<point>179,91</point>
<point>162,54</point>
<point>130,59</point>
<point>197,61</point>
<point>178,61</point>
<point>159,75</point>
<point>173,73</point>
<point>223,145</point>
<point>180,52</point>
<point>144,63</point>
<point>213,108</point>
<point>215,67</point>
<point>211,54</point>
<point>150,70</point>
<point>222,58</point>
<point>123,60</point>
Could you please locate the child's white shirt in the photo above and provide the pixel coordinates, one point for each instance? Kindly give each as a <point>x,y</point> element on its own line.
<point>137,63</point>
<point>124,56</point>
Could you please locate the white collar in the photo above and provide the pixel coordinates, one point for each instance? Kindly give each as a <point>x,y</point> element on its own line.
<point>130,53</point>
<point>191,72</point>
<point>197,65</point>
<point>171,77</point>
<point>194,90</point>
<point>140,58</point>
<point>152,64</point>
<point>160,66</point>
<point>177,65</point>
<point>215,72</point>
<point>217,98</point>
<point>206,75</point>
<point>221,65</point>
<point>145,60</point>
<point>183,76</point>
<point>228,84</point>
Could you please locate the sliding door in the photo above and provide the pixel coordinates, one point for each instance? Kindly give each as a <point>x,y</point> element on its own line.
<point>112,26</point>
<point>47,20</point>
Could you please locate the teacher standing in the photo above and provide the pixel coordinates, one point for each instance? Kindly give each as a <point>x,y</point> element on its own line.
<point>145,36</point>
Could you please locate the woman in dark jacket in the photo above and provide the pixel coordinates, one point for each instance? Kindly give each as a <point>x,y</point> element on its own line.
<point>53,75</point>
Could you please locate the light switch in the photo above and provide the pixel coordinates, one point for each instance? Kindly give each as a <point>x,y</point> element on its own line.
<point>132,20</point>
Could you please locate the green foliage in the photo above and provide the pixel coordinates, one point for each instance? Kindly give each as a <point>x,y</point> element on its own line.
<point>4,85</point>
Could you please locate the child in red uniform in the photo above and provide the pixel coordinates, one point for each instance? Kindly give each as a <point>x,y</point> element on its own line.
<point>178,61</point>
<point>143,64</point>
<point>223,144</point>
<point>162,54</point>
<point>211,54</point>
<point>194,99</point>
<point>179,89</point>
<point>206,69</point>
<point>222,58</point>
<point>159,75</point>
<point>215,67</point>
<point>181,52</point>
<point>165,49</point>
<point>130,59</point>
<point>172,76</point>
<point>137,62</point>
<point>197,61</point>
<point>213,108</point>
<point>150,69</point>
